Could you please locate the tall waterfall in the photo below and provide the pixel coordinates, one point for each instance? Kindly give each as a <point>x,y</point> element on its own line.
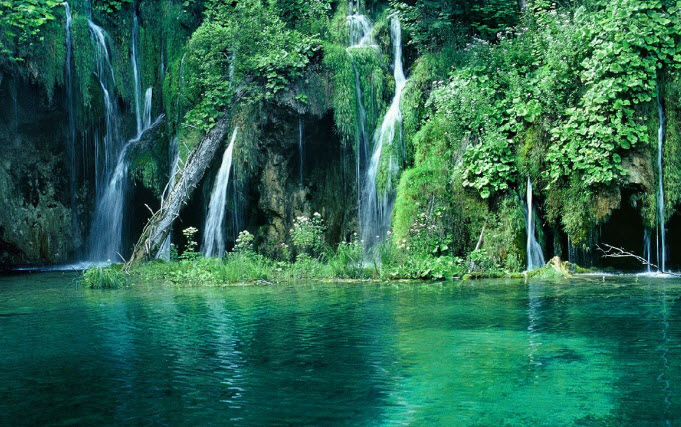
<point>662,242</point>
<point>377,208</point>
<point>106,152</point>
<point>106,233</point>
<point>72,142</point>
<point>361,32</point>
<point>535,256</point>
<point>213,237</point>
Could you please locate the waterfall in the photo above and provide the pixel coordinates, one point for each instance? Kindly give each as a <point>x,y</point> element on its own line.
<point>107,150</point>
<point>662,246</point>
<point>106,233</point>
<point>361,31</point>
<point>377,208</point>
<point>213,238</point>
<point>300,147</point>
<point>535,257</point>
<point>136,74</point>
<point>146,117</point>
<point>72,142</point>
<point>646,249</point>
<point>362,142</point>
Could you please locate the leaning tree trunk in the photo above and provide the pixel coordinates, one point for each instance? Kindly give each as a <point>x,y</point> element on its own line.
<point>160,223</point>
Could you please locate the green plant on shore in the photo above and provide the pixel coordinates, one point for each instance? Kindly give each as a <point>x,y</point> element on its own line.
<point>348,259</point>
<point>307,235</point>
<point>191,248</point>
<point>111,277</point>
<point>244,242</point>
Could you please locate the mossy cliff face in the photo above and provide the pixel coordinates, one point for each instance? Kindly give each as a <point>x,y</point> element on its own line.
<point>35,219</point>
<point>326,187</point>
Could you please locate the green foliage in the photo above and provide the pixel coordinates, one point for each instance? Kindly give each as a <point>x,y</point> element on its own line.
<point>21,22</point>
<point>244,242</point>
<point>432,24</point>
<point>146,169</point>
<point>348,259</point>
<point>245,48</point>
<point>111,277</point>
<point>234,268</point>
<point>618,74</point>
<point>489,167</point>
<point>307,235</point>
<point>190,252</point>
<point>111,6</point>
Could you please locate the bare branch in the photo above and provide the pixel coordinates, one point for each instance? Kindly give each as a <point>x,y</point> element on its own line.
<point>609,251</point>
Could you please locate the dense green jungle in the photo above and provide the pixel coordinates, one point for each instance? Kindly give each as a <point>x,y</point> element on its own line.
<point>213,141</point>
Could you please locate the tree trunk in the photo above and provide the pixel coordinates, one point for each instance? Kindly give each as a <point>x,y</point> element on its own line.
<point>160,223</point>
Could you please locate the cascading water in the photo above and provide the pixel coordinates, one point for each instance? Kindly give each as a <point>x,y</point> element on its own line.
<point>535,256</point>
<point>361,31</point>
<point>106,233</point>
<point>213,238</point>
<point>73,163</point>
<point>360,36</point>
<point>377,208</point>
<point>146,117</point>
<point>662,246</point>
<point>646,249</point>
<point>107,148</point>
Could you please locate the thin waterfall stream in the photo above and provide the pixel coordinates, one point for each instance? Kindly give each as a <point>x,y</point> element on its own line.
<point>361,36</point>
<point>662,245</point>
<point>213,237</point>
<point>377,205</point>
<point>72,139</point>
<point>535,256</point>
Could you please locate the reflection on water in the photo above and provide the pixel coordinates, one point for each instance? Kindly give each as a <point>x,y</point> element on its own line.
<point>490,352</point>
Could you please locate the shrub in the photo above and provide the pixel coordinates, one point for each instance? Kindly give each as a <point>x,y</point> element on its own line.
<point>244,242</point>
<point>190,251</point>
<point>307,235</point>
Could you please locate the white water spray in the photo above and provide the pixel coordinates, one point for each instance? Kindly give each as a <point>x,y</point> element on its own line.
<point>213,237</point>
<point>535,256</point>
<point>377,208</point>
<point>662,246</point>
<point>72,142</point>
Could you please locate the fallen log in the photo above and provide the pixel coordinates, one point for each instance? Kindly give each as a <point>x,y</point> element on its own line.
<point>160,223</point>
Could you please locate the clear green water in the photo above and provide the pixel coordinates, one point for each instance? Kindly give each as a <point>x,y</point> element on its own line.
<point>586,351</point>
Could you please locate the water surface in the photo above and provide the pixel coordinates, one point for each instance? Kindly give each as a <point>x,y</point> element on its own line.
<point>586,351</point>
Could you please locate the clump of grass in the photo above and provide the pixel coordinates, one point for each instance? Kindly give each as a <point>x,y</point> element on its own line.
<point>111,277</point>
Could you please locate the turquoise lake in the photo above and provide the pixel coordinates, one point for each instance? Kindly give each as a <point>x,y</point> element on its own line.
<point>586,351</point>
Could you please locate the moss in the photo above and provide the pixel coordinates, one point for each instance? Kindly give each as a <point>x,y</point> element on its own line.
<point>505,235</point>
<point>147,170</point>
<point>426,189</point>
<point>672,146</point>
